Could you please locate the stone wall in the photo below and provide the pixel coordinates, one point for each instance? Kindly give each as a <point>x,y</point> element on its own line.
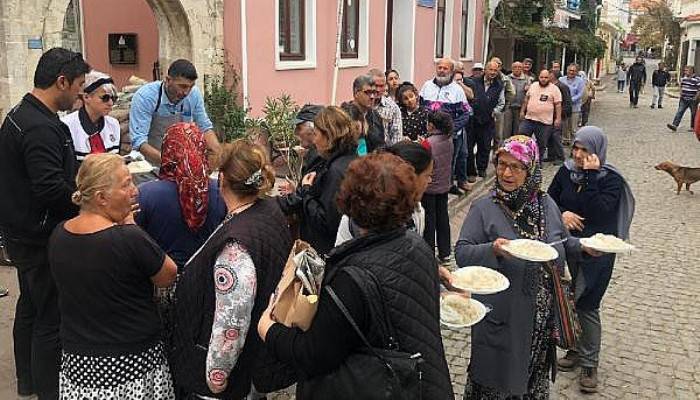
<point>191,29</point>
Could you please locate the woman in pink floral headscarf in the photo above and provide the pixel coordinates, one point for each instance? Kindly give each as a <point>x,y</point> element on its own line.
<point>513,349</point>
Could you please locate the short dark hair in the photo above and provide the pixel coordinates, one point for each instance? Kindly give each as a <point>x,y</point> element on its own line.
<point>59,62</point>
<point>413,153</point>
<point>387,72</point>
<point>378,192</point>
<point>442,121</point>
<point>182,69</point>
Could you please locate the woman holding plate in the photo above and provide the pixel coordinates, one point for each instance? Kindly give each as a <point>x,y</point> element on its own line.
<point>593,198</point>
<point>512,348</point>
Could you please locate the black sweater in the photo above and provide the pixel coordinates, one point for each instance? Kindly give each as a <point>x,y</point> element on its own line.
<point>37,172</point>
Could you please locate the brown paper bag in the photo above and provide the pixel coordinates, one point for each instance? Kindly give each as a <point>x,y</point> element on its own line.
<point>292,308</point>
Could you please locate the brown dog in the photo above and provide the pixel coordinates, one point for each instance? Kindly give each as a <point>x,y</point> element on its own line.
<point>682,175</point>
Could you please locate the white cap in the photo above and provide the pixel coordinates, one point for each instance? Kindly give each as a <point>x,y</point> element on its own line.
<point>477,66</point>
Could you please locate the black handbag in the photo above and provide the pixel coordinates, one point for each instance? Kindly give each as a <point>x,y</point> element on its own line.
<point>370,373</point>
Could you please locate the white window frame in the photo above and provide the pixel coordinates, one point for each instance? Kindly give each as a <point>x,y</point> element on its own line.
<point>447,34</point>
<point>362,59</point>
<point>471,31</point>
<point>309,39</point>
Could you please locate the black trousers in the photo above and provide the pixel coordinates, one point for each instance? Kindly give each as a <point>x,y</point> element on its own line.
<point>481,136</point>
<point>437,223</point>
<point>634,92</point>
<point>35,332</point>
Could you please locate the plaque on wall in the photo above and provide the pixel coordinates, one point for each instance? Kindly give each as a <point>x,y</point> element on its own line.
<point>122,48</point>
<point>426,3</point>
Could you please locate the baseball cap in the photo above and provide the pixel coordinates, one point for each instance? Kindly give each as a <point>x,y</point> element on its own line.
<point>307,113</point>
<point>477,66</point>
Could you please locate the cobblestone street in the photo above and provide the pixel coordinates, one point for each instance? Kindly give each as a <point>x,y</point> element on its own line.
<point>651,346</point>
<point>651,323</point>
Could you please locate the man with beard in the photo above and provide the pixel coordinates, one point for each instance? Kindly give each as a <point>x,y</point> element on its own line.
<point>160,104</point>
<point>556,69</point>
<point>37,170</point>
<point>489,100</point>
<point>541,111</point>
<point>555,148</point>
<point>443,94</point>
<point>636,78</point>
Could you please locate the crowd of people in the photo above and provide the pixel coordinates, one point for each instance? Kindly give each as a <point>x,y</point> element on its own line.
<point>165,290</point>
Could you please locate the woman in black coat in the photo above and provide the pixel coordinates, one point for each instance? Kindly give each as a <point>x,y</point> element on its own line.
<point>593,198</point>
<point>317,211</point>
<point>384,268</point>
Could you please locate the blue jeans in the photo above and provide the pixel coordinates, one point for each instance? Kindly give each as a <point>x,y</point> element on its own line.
<point>683,105</point>
<point>459,157</point>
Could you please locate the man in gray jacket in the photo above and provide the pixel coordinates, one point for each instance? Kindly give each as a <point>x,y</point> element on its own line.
<point>521,84</point>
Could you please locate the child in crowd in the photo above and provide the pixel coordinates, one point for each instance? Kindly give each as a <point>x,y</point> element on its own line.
<point>437,220</point>
<point>414,116</point>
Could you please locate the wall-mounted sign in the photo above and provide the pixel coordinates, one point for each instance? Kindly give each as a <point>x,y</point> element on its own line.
<point>426,3</point>
<point>122,48</point>
<point>35,44</point>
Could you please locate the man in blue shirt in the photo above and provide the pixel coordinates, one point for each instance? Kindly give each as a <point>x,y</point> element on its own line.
<point>160,104</point>
<point>577,86</point>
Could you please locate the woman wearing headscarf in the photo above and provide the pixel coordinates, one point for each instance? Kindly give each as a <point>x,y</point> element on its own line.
<point>512,349</point>
<point>225,286</point>
<point>183,208</point>
<point>593,197</point>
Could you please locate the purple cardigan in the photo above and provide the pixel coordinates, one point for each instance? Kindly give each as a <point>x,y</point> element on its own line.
<point>442,149</point>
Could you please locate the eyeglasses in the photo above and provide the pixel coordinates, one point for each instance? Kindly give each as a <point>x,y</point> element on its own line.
<point>106,97</point>
<point>370,92</point>
<point>514,168</point>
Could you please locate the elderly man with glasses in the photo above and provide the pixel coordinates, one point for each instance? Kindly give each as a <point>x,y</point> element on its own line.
<point>361,111</point>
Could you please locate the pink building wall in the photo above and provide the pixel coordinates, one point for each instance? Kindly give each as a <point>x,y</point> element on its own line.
<point>304,85</point>
<point>125,16</point>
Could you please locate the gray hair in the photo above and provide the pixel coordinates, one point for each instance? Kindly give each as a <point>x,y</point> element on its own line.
<point>361,81</point>
<point>376,73</point>
<point>448,61</point>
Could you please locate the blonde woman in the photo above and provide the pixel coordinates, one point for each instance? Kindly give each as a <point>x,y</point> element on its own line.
<point>105,268</point>
<point>92,129</point>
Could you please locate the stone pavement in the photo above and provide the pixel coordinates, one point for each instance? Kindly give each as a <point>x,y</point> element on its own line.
<point>651,338</point>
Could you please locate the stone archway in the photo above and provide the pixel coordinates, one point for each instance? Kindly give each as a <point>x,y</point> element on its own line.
<point>191,29</point>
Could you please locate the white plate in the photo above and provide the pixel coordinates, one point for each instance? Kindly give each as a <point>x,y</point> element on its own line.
<point>594,243</point>
<point>548,253</point>
<point>481,310</point>
<point>139,167</point>
<point>504,283</point>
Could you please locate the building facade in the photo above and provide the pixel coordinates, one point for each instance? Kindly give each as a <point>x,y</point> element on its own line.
<point>280,46</point>
<point>688,11</point>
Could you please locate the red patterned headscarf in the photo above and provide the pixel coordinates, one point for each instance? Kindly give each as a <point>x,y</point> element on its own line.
<point>184,161</point>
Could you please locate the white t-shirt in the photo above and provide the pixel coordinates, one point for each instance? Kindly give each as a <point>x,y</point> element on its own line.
<point>344,233</point>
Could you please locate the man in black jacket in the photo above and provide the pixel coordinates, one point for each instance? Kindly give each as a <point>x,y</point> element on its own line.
<point>555,148</point>
<point>659,79</point>
<point>489,99</point>
<point>636,78</point>
<point>37,170</point>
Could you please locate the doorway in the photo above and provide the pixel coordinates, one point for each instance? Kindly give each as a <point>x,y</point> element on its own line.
<point>400,37</point>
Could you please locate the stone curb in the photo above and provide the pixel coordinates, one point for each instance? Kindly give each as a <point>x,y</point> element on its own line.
<point>456,203</point>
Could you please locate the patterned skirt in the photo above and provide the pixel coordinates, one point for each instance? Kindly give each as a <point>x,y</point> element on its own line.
<point>144,375</point>
<point>539,367</point>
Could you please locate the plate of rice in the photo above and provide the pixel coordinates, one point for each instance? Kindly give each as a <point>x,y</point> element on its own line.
<point>607,244</point>
<point>531,250</point>
<point>479,280</point>
<point>458,312</point>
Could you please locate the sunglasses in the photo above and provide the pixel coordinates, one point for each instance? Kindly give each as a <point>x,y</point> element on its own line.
<point>106,97</point>
<point>370,92</point>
